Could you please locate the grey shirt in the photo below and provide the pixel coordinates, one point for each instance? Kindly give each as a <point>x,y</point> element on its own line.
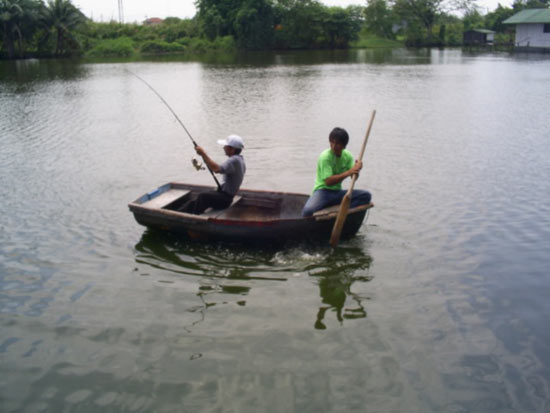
<point>233,169</point>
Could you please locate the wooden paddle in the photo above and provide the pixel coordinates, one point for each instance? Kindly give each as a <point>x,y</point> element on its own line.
<point>344,205</point>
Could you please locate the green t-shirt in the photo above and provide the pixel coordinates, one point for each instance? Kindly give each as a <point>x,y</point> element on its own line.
<point>329,164</point>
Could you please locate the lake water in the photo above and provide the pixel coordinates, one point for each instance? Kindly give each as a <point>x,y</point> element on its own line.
<point>439,304</point>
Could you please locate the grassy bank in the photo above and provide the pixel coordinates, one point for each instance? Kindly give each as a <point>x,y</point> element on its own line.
<point>371,41</point>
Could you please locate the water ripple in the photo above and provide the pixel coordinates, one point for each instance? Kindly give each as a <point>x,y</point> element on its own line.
<point>439,304</point>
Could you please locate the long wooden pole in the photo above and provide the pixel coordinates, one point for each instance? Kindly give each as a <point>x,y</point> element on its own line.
<point>344,205</point>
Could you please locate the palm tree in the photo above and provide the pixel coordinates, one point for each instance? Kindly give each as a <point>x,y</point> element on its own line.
<point>13,15</point>
<point>62,17</point>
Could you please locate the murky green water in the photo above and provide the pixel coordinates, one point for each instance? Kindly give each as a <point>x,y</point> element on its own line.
<point>439,304</point>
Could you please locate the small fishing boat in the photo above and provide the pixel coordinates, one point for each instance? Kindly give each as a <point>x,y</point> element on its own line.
<point>254,216</point>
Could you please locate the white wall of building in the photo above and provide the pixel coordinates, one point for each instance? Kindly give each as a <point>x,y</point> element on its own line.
<point>532,35</point>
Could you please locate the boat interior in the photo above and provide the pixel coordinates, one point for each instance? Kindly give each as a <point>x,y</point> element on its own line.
<point>248,205</point>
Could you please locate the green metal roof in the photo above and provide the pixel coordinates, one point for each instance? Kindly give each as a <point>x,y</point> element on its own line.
<point>529,16</point>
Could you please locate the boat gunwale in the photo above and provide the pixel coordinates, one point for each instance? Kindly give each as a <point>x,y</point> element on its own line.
<point>137,206</point>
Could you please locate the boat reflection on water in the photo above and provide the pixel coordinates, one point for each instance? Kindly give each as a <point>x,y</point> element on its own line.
<point>230,271</point>
<point>174,255</point>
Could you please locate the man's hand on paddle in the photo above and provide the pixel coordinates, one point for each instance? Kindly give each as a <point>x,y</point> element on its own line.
<point>356,168</point>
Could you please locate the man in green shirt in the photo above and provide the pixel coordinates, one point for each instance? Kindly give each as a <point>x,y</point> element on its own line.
<point>333,166</point>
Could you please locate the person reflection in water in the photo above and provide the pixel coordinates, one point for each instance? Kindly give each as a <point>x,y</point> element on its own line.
<point>334,291</point>
<point>233,170</point>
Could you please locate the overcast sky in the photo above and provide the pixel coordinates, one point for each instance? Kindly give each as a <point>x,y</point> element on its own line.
<point>139,10</point>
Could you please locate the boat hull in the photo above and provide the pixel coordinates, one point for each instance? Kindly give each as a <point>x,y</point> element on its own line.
<point>256,216</point>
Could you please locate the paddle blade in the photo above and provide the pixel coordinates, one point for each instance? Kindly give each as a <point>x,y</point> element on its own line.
<point>340,221</point>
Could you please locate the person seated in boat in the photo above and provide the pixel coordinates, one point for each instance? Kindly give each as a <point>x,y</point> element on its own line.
<point>232,169</point>
<point>334,165</point>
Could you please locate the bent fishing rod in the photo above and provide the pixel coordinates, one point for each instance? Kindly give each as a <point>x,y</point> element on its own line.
<point>178,119</point>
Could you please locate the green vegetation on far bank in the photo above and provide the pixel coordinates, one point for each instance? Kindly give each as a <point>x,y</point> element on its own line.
<point>371,41</point>
<point>34,28</point>
<point>127,47</point>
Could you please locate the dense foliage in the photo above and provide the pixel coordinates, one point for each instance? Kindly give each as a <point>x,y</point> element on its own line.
<point>47,28</point>
<point>286,24</point>
<point>435,22</point>
<point>58,28</point>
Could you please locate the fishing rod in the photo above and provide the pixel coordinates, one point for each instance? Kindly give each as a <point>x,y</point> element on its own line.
<point>178,119</point>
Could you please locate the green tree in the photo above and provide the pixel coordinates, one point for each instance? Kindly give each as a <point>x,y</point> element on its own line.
<point>250,22</point>
<point>473,20</point>
<point>494,19</point>
<point>451,29</point>
<point>300,24</point>
<point>422,12</point>
<point>173,28</point>
<point>62,18</point>
<point>341,26</point>
<point>17,18</point>
<point>426,12</point>
<point>253,24</point>
<point>216,17</point>
<point>379,18</point>
<point>211,23</point>
<point>530,4</point>
<point>295,24</point>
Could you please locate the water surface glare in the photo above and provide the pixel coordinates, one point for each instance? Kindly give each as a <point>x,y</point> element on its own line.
<point>438,305</point>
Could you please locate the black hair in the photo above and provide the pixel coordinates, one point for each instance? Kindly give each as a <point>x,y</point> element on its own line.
<point>339,135</point>
<point>237,151</point>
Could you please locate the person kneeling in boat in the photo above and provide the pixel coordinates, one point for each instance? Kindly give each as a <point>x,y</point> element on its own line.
<point>333,166</point>
<point>232,169</point>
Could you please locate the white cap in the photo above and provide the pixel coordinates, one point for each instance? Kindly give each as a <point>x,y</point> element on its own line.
<point>234,141</point>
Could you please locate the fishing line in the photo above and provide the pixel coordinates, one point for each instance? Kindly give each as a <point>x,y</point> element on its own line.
<point>177,118</point>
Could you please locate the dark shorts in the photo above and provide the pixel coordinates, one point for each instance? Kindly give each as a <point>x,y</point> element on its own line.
<point>205,200</point>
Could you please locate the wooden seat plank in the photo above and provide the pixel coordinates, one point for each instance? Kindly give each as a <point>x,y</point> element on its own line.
<point>165,198</point>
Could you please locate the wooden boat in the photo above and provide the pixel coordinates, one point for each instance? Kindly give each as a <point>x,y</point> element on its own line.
<point>254,216</point>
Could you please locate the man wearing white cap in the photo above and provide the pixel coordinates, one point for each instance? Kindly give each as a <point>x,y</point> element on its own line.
<point>232,169</point>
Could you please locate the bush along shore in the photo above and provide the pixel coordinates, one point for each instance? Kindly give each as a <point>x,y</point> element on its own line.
<point>127,47</point>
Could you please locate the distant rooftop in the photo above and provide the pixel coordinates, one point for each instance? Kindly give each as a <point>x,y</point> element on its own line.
<point>153,20</point>
<point>529,16</point>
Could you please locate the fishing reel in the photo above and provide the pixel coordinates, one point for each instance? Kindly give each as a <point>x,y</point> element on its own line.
<point>197,164</point>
